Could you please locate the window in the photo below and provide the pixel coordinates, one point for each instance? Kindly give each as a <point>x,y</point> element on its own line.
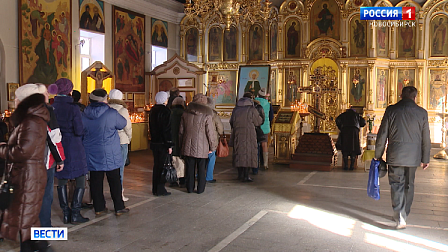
<point>92,50</point>
<point>85,53</point>
<point>159,55</point>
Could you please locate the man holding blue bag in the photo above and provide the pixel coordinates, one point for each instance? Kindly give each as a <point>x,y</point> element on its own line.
<point>405,128</point>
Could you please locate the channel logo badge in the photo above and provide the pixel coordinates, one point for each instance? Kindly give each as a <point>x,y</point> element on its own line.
<point>49,234</point>
<point>387,13</point>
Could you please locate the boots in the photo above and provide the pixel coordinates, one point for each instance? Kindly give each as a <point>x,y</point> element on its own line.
<point>63,202</point>
<point>122,195</point>
<point>246,175</point>
<point>352,162</point>
<point>265,160</point>
<point>77,218</point>
<point>240,173</point>
<point>345,162</point>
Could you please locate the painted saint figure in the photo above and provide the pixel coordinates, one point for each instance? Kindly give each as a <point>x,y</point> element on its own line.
<point>97,22</point>
<point>407,34</point>
<point>440,30</point>
<point>382,87</point>
<point>359,36</point>
<point>253,85</point>
<point>231,44</point>
<point>326,20</point>
<point>381,35</point>
<point>86,19</point>
<point>293,39</point>
<point>192,44</point>
<point>357,87</point>
<point>256,44</point>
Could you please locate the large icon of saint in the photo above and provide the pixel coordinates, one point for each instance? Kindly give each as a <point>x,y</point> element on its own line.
<point>253,85</point>
<point>293,39</point>
<point>359,36</point>
<point>326,20</point>
<point>439,41</point>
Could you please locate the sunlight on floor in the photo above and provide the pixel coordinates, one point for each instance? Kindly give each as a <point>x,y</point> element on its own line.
<point>384,238</point>
<point>325,220</point>
<point>406,237</point>
<point>387,243</point>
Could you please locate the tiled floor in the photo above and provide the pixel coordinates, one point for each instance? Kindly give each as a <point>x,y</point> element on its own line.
<point>283,210</point>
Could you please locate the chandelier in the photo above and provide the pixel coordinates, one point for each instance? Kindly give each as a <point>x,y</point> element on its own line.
<point>229,11</point>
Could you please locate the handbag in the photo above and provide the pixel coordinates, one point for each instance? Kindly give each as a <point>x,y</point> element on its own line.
<point>223,147</point>
<point>6,189</point>
<point>87,197</point>
<point>373,184</point>
<point>169,173</point>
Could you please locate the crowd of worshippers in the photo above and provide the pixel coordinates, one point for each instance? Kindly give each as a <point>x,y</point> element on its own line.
<point>190,134</point>
<point>81,144</point>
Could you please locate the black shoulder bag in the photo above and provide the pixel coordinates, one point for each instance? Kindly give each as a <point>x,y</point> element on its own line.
<point>6,189</point>
<point>169,173</point>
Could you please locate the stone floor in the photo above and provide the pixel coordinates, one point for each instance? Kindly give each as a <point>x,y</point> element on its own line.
<point>283,210</point>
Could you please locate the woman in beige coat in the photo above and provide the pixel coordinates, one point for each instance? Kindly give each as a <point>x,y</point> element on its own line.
<point>116,102</point>
<point>197,136</point>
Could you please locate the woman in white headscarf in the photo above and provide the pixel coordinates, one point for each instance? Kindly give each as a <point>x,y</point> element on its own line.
<point>161,141</point>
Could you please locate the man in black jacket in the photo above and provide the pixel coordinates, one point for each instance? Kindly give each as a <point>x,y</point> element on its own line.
<point>405,128</point>
<point>349,124</point>
<point>161,141</point>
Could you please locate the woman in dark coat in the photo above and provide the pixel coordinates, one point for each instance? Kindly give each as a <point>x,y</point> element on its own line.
<point>75,166</point>
<point>349,124</point>
<point>26,151</point>
<point>161,141</point>
<point>177,109</point>
<point>243,121</point>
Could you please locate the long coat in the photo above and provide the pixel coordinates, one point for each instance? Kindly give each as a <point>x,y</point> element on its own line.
<point>349,123</point>
<point>176,115</point>
<point>101,140</point>
<point>197,131</point>
<point>243,121</point>
<point>126,133</point>
<point>406,129</point>
<point>26,151</point>
<point>70,123</point>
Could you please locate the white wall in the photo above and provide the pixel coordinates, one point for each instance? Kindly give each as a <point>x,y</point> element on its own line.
<point>9,37</point>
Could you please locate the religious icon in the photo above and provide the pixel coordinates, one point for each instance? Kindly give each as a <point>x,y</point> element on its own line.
<point>358,45</point>
<point>274,32</point>
<point>214,45</point>
<point>382,35</point>
<point>230,43</point>
<point>292,38</point>
<point>381,88</point>
<point>253,85</point>
<point>437,80</point>
<point>89,22</point>
<point>159,33</point>
<point>256,42</point>
<point>222,87</point>
<point>358,77</point>
<point>192,44</point>
<point>439,29</point>
<point>406,40</point>
<point>165,84</point>
<point>252,79</point>
<point>325,19</point>
<point>406,77</point>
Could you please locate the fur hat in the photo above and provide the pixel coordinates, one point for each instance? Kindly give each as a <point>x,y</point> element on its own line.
<point>178,101</point>
<point>98,95</point>
<point>200,98</point>
<point>62,86</point>
<point>161,97</point>
<point>115,94</point>
<point>29,89</point>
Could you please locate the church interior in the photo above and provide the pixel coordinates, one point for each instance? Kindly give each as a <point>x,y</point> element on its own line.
<point>316,58</point>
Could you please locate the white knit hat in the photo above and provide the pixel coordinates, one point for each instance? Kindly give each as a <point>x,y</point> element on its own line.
<point>115,94</point>
<point>29,89</point>
<point>161,97</point>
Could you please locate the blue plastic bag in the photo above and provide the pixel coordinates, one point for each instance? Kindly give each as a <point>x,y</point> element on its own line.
<point>373,185</point>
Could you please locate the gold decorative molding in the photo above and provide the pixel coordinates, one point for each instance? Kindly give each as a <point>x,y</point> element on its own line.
<point>428,6</point>
<point>222,66</point>
<point>438,63</point>
<point>403,63</point>
<point>224,114</point>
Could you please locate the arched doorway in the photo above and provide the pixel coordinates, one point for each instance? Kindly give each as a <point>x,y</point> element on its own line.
<point>330,100</point>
